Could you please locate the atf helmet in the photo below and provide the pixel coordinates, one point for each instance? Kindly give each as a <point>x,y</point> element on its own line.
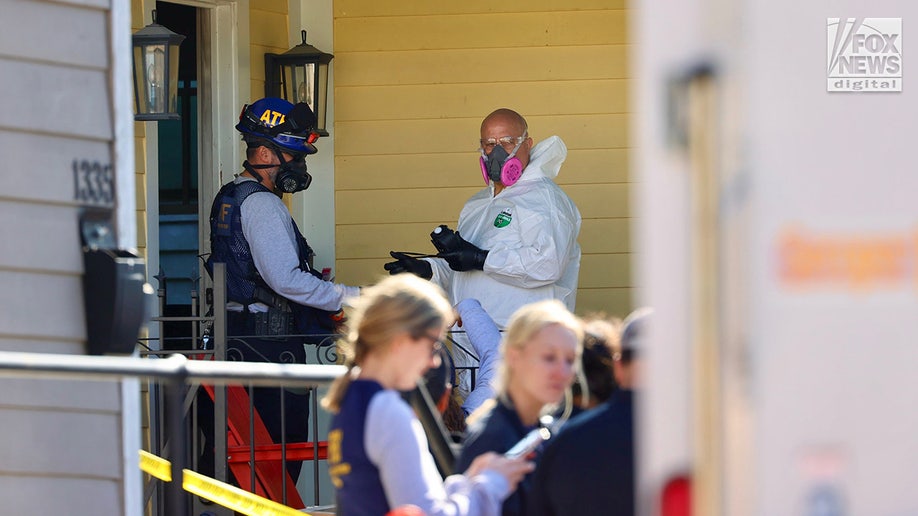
<point>291,128</point>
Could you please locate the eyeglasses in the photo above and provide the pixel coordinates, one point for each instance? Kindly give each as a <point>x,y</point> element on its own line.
<point>507,142</point>
<point>437,344</point>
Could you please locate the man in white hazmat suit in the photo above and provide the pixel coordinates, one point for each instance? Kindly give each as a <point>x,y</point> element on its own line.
<point>517,239</point>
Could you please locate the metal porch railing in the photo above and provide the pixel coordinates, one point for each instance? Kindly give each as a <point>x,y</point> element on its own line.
<point>175,373</point>
<point>206,341</point>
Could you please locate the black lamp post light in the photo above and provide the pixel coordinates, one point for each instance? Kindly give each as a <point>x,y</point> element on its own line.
<point>300,75</point>
<point>156,67</point>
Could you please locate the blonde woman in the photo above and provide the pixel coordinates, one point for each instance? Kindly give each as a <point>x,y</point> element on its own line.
<point>540,353</point>
<point>378,456</point>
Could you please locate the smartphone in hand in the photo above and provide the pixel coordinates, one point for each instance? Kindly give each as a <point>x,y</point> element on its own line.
<point>529,443</point>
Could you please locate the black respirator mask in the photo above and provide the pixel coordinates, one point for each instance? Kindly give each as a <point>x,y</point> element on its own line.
<point>291,175</point>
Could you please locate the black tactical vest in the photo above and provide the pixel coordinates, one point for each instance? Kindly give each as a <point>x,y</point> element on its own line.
<point>244,284</point>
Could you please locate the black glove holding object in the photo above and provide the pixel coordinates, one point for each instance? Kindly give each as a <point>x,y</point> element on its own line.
<point>460,254</point>
<point>406,263</point>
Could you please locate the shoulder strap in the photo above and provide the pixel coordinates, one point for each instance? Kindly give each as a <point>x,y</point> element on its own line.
<point>247,188</point>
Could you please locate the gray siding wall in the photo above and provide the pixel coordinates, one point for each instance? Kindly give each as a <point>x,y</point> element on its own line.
<point>63,446</point>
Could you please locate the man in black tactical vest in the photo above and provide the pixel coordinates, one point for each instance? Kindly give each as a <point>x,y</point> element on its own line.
<point>276,301</point>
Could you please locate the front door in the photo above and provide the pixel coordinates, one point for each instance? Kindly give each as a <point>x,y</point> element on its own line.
<point>178,175</point>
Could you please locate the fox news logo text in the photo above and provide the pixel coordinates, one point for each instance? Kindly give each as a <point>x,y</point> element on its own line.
<point>864,54</point>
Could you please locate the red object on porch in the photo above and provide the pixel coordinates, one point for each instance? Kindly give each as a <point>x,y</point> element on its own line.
<point>270,476</point>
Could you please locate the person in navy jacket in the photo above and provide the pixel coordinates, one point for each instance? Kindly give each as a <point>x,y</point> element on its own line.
<point>589,466</point>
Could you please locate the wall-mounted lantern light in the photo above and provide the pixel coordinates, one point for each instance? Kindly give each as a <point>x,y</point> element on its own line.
<point>156,66</point>
<point>300,75</point>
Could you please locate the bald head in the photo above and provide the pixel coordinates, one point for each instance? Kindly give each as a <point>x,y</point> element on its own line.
<point>508,118</point>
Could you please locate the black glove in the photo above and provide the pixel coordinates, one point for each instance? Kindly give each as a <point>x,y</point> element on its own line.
<point>460,254</point>
<point>406,263</point>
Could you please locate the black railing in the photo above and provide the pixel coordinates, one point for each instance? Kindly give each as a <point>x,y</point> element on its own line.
<point>207,337</point>
<point>175,373</point>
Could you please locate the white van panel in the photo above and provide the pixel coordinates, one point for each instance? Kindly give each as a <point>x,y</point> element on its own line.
<point>818,266</point>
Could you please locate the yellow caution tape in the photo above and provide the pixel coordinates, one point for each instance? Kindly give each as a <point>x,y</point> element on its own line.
<point>233,497</point>
<point>218,492</point>
<point>156,466</point>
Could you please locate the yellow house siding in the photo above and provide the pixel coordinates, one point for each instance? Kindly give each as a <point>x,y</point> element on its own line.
<point>140,182</point>
<point>413,81</point>
<point>267,34</point>
<point>276,6</point>
<point>381,137</point>
<point>344,8</point>
<point>454,65</point>
<point>549,28</point>
<point>386,171</point>
<point>455,100</point>
<point>140,151</point>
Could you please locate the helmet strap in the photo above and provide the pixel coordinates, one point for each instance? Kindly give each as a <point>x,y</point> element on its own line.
<point>254,170</point>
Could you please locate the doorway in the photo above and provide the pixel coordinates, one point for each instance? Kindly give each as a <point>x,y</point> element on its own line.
<point>178,173</point>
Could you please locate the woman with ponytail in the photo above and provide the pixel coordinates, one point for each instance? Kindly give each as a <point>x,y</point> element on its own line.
<point>378,456</point>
